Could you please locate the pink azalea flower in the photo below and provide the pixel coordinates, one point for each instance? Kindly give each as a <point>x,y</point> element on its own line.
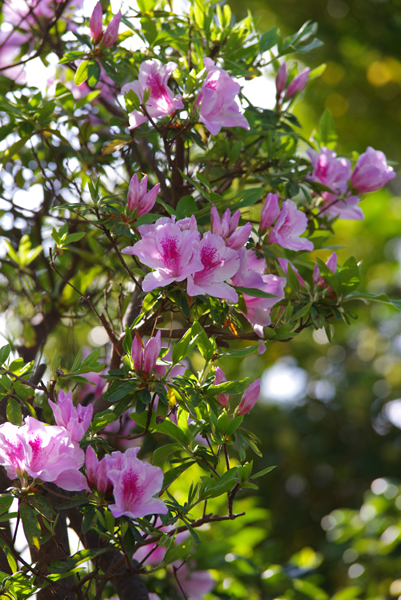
<point>329,170</point>
<point>281,79</point>
<point>171,252</point>
<point>154,75</point>
<point>331,263</point>
<point>219,377</point>
<point>139,198</point>
<point>270,212</point>
<point>345,208</point>
<point>249,399</point>
<point>195,584</point>
<point>227,228</point>
<point>75,420</point>
<point>134,485</point>
<point>94,391</point>
<point>371,171</point>
<point>145,357</point>
<point>290,224</point>
<point>218,107</point>
<point>283,262</point>
<point>297,84</point>
<point>41,452</point>
<point>219,264</point>
<point>251,274</point>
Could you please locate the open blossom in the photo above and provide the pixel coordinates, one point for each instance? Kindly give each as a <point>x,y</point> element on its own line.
<point>75,420</point>
<point>219,377</point>
<point>270,212</point>
<point>371,171</point>
<point>290,224</point>
<point>297,84</point>
<point>219,264</point>
<point>134,485</point>
<point>171,252</point>
<point>249,399</point>
<point>217,100</point>
<point>42,452</point>
<point>139,198</point>
<point>251,274</point>
<point>226,227</point>
<point>283,262</point>
<point>331,263</point>
<point>145,357</point>
<point>153,75</point>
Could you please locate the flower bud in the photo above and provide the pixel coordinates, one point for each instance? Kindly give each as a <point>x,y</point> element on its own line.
<point>270,212</point>
<point>221,378</point>
<point>281,79</point>
<point>297,84</point>
<point>111,33</point>
<point>249,398</point>
<point>96,24</point>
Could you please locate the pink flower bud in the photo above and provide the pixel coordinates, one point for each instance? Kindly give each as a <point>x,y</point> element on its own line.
<point>281,79</point>
<point>331,264</point>
<point>137,352</point>
<point>111,33</point>
<point>96,24</point>
<point>297,84</point>
<point>151,354</point>
<point>138,198</point>
<point>220,378</point>
<point>270,212</point>
<point>249,398</point>
<point>371,172</point>
<point>283,262</point>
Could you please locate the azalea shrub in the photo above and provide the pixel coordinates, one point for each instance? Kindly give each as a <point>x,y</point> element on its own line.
<point>178,226</point>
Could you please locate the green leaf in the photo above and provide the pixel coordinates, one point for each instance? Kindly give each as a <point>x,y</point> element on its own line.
<point>186,207</point>
<point>328,135</point>
<point>14,149</point>
<point>74,237</point>
<point>329,277</point>
<point>254,292</point>
<point>73,503</point>
<point>4,353</point>
<point>180,349</point>
<point>82,73</point>
<point>171,429</point>
<point>172,474</point>
<point>368,297</point>
<point>14,413</point>
<point>263,472</point>
<point>234,387</point>
<point>309,589</point>
<point>90,513</point>
<point>235,423</point>
<point>10,558</point>
<point>160,454</point>
<point>30,524</point>
<point>349,593</point>
<point>349,276</point>
<point>102,419</point>
<point>93,73</point>
<point>42,505</point>
<point>268,39</point>
<point>240,352</point>
<point>62,566</point>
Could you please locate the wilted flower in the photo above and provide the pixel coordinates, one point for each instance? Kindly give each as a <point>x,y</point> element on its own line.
<point>153,75</point>
<point>217,100</point>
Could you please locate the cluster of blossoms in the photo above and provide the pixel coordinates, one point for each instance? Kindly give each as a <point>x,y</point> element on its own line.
<point>51,453</point>
<point>216,103</point>
<point>217,261</point>
<point>370,174</point>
